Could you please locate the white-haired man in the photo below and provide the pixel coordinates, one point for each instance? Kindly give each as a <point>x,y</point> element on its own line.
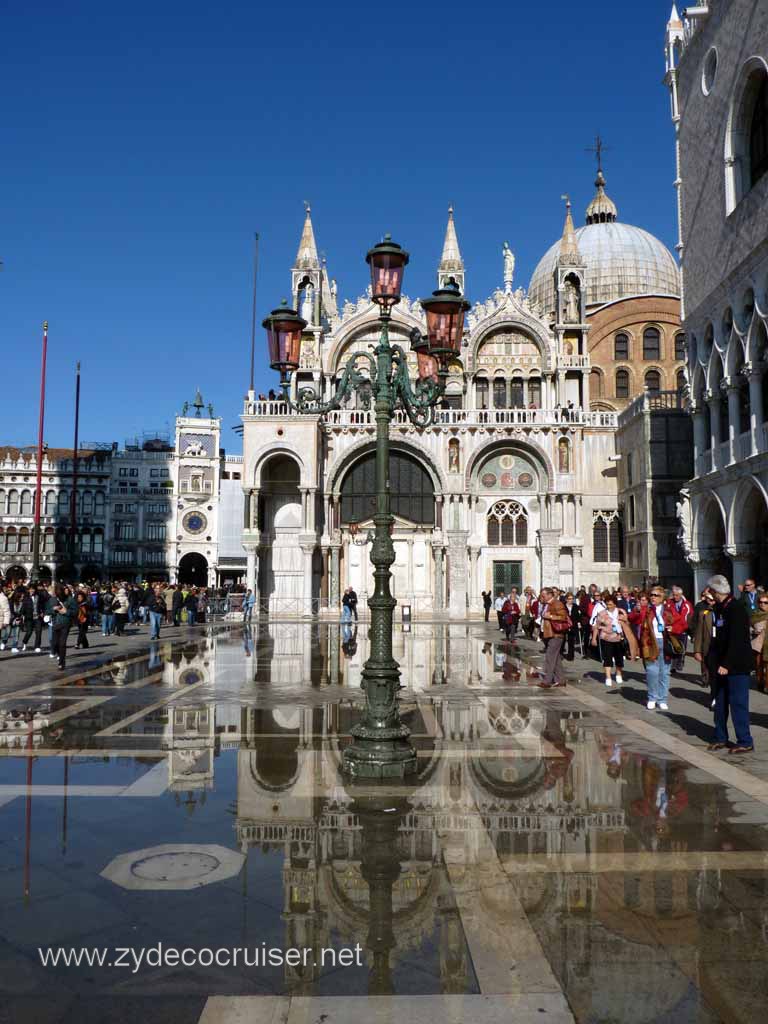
<point>731,653</point>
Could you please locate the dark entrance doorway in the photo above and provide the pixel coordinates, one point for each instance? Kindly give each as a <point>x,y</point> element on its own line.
<point>507,575</point>
<point>193,569</point>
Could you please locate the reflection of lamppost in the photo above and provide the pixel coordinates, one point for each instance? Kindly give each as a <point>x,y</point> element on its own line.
<point>381,748</point>
<point>380,817</point>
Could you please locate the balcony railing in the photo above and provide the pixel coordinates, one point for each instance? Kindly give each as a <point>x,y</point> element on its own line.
<point>573,362</point>
<point>484,418</point>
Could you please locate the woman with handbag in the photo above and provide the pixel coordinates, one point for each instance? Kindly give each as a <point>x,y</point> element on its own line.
<point>555,623</point>
<point>82,615</point>
<point>656,647</point>
<point>610,631</point>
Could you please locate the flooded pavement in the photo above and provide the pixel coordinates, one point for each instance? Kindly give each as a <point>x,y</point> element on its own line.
<point>547,863</point>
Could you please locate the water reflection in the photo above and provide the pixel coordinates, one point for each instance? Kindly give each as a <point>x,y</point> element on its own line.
<point>615,852</point>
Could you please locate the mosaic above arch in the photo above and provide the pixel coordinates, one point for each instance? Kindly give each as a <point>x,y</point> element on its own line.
<point>508,472</point>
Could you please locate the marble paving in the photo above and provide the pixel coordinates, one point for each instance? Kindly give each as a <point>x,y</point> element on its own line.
<point>558,856</point>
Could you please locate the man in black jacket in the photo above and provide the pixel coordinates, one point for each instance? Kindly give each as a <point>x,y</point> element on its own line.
<point>176,603</point>
<point>731,652</point>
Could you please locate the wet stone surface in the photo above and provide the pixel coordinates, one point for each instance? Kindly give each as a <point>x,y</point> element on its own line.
<point>547,862</point>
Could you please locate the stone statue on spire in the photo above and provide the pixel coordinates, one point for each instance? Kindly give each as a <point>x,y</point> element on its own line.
<point>509,267</point>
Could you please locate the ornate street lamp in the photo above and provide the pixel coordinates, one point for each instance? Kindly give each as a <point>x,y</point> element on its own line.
<point>354,529</point>
<point>380,747</point>
<point>284,328</point>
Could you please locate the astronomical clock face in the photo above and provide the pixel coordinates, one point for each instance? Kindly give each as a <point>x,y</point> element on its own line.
<point>194,522</point>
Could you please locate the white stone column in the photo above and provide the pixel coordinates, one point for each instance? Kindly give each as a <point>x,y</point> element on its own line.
<point>250,572</point>
<point>409,541</point>
<point>700,440</point>
<point>756,411</point>
<point>254,508</point>
<point>439,599</point>
<point>308,552</point>
<point>713,401</point>
<point>334,600</point>
<point>734,418</point>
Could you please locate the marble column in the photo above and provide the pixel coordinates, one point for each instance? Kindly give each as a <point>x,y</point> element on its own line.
<point>254,508</point>
<point>700,440</point>
<point>250,572</point>
<point>713,401</point>
<point>307,551</point>
<point>458,570</point>
<point>756,411</point>
<point>248,498</point>
<point>334,594</point>
<point>439,600</point>
<point>742,564</point>
<point>734,418</point>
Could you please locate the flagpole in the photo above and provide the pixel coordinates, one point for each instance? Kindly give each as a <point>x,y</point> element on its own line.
<point>253,311</point>
<point>73,502</point>
<point>38,492</point>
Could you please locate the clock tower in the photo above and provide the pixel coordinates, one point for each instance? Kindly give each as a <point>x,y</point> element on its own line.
<point>194,537</point>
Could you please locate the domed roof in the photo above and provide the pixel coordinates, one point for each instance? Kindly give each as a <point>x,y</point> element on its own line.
<point>621,260</point>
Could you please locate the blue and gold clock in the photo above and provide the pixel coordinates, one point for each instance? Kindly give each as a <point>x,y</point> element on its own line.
<point>194,522</point>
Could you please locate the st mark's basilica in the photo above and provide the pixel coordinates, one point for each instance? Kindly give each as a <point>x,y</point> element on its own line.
<point>517,481</point>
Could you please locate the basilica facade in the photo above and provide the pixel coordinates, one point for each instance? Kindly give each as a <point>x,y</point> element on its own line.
<point>515,482</point>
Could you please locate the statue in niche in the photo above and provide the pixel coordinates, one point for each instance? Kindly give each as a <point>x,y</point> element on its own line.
<point>334,288</point>
<point>563,456</point>
<point>572,315</point>
<point>509,267</point>
<point>454,456</point>
<point>308,304</point>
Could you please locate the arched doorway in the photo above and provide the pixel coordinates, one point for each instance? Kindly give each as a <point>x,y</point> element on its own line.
<point>710,541</point>
<point>412,503</point>
<point>193,569</point>
<point>281,565</point>
<point>750,531</point>
<point>16,574</point>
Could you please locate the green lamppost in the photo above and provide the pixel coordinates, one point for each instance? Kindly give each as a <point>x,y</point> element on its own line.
<point>381,748</point>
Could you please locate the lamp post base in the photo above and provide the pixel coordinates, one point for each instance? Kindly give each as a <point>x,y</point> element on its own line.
<point>380,753</point>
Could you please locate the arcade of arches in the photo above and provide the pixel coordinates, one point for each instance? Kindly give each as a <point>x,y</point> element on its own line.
<point>731,538</point>
<point>505,512</point>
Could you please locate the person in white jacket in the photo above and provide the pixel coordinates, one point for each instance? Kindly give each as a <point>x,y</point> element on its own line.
<point>5,619</point>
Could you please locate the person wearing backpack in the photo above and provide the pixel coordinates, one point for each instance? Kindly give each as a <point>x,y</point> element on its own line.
<point>106,603</point>
<point>82,604</point>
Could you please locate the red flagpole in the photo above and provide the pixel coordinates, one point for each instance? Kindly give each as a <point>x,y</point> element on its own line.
<point>38,492</point>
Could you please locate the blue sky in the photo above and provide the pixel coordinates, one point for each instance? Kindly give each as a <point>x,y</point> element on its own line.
<point>144,144</point>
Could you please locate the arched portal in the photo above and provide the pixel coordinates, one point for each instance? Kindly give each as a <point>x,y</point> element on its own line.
<point>286,586</point>
<point>710,541</point>
<point>16,574</point>
<point>412,503</point>
<point>193,569</point>
<point>750,530</point>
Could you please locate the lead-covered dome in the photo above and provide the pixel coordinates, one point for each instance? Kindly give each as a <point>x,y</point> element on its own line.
<point>621,260</point>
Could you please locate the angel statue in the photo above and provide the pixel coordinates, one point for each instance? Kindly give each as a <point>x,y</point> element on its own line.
<point>509,266</point>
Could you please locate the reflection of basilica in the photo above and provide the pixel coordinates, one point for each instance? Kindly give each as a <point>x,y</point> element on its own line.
<point>515,482</point>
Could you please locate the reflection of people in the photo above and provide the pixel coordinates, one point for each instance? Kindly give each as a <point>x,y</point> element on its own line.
<point>349,639</point>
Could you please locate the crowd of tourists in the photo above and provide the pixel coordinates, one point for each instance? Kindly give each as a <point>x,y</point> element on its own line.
<point>40,617</point>
<point>727,634</point>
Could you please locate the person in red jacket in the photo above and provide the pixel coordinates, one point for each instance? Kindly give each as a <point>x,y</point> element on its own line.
<point>510,612</point>
<point>681,610</point>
